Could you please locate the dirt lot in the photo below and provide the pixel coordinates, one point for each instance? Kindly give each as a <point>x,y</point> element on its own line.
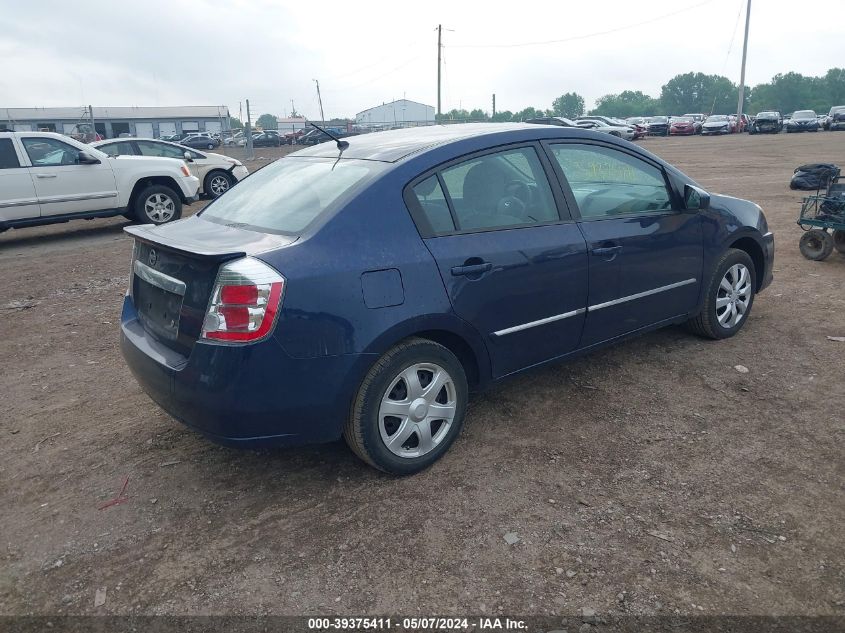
<point>650,478</point>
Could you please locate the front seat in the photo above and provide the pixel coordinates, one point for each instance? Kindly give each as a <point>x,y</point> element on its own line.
<point>484,189</point>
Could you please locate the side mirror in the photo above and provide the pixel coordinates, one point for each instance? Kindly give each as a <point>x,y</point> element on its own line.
<point>188,157</point>
<point>86,159</point>
<point>695,199</point>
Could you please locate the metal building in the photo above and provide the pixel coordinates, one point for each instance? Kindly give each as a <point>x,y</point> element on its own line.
<point>111,122</point>
<point>399,113</point>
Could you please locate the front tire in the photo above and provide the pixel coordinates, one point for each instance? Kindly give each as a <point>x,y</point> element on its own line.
<point>158,204</point>
<point>217,183</point>
<point>409,408</point>
<point>728,297</point>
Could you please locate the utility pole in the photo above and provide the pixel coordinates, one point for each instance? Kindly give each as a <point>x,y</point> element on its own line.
<point>439,46</point>
<point>494,104</point>
<point>742,72</point>
<point>320,99</point>
<point>91,116</point>
<point>250,152</point>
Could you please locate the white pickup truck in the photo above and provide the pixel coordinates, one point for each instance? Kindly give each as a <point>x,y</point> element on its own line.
<point>47,178</point>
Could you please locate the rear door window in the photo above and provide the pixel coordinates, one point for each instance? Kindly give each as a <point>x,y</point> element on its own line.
<point>122,148</point>
<point>502,189</point>
<point>435,209</point>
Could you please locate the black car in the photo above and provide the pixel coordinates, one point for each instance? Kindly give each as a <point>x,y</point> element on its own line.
<point>314,137</point>
<point>836,118</point>
<point>658,126</point>
<point>803,121</point>
<point>766,122</point>
<point>200,142</point>
<point>266,139</point>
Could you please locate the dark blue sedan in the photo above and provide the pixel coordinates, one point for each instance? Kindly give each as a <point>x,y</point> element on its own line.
<point>362,293</point>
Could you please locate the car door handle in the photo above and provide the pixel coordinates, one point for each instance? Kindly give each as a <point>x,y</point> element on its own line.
<point>604,251</point>
<point>45,175</point>
<point>472,269</point>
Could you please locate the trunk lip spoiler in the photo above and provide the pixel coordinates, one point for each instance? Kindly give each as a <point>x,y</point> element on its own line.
<point>145,233</point>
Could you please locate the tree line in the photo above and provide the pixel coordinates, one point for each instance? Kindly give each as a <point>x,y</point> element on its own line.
<point>690,92</point>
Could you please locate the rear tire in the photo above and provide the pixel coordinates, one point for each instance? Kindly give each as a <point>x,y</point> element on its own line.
<point>839,241</point>
<point>816,245</point>
<point>728,297</point>
<point>402,382</point>
<point>157,204</point>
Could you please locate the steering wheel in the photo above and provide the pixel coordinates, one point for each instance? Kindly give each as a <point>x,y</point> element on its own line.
<point>519,189</point>
<point>511,206</point>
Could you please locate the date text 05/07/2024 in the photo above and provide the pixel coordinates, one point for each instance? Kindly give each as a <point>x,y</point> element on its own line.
<point>414,624</point>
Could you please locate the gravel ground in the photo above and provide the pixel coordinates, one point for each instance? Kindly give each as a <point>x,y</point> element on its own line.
<point>650,478</point>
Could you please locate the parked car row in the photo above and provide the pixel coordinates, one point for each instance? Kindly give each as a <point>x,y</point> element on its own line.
<point>216,173</point>
<point>606,125</point>
<point>47,178</point>
<point>768,121</point>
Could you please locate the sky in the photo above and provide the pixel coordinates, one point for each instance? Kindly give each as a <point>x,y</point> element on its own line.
<point>212,52</point>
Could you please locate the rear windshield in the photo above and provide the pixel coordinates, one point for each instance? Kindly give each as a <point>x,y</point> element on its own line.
<point>804,114</point>
<point>286,196</point>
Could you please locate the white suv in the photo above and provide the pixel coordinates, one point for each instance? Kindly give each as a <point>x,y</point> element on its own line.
<point>47,178</point>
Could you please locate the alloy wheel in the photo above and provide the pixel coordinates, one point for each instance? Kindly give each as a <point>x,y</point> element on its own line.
<point>417,410</point>
<point>733,296</point>
<point>159,208</point>
<point>218,185</point>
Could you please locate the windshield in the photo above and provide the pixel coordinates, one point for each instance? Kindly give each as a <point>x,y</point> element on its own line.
<point>804,114</point>
<point>717,118</point>
<point>767,115</point>
<point>682,119</point>
<point>286,196</point>
<point>659,119</point>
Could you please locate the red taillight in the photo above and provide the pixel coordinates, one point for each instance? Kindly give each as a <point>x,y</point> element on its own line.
<point>239,295</point>
<point>245,301</point>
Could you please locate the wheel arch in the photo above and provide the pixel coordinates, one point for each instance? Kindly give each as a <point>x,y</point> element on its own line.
<point>449,331</point>
<point>143,183</point>
<point>750,246</point>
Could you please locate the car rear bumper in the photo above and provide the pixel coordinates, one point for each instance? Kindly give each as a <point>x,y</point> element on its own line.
<point>243,395</point>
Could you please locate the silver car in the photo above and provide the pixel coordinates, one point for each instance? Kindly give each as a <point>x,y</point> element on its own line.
<point>625,132</point>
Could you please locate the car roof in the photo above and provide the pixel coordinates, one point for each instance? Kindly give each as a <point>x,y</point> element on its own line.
<point>108,141</point>
<point>394,145</point>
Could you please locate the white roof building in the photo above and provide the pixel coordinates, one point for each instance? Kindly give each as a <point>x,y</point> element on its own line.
<point>120,120</point>
<point>399,112</point>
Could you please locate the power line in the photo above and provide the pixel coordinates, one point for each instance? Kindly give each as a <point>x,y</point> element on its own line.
<point>587,35</point>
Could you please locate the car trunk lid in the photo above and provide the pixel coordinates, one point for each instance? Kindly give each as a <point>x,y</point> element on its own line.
<point>174,268</point>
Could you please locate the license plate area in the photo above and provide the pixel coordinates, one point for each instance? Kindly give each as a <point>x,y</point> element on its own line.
<point>158,300</point>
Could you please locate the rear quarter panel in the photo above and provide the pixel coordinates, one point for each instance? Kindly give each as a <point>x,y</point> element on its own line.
<point>324,311</point>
